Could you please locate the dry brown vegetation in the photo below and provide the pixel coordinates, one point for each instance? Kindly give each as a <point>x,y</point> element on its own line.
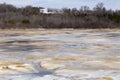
<point>30,17</point>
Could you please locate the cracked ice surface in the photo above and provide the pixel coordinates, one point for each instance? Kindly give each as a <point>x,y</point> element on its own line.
<point>60,54</point>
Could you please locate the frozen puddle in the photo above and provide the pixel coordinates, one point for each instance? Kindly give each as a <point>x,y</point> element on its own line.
<point>60,54</point>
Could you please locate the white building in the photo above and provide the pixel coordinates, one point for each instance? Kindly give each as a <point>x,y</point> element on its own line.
<point>45,11</point>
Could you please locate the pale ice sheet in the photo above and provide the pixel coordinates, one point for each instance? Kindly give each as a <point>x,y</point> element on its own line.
<point>60,55</point>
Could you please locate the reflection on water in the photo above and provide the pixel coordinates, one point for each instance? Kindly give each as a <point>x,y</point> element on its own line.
<point>68,54</point>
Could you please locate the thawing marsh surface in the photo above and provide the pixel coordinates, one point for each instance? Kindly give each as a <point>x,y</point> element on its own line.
<point>60,54</point>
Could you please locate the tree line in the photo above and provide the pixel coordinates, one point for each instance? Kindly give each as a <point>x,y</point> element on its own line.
<point>32,17</point>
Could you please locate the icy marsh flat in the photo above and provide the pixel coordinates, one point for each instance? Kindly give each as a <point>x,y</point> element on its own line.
<point>60,54</point>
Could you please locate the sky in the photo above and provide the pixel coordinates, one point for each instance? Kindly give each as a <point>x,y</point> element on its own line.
<point>109,4</point>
